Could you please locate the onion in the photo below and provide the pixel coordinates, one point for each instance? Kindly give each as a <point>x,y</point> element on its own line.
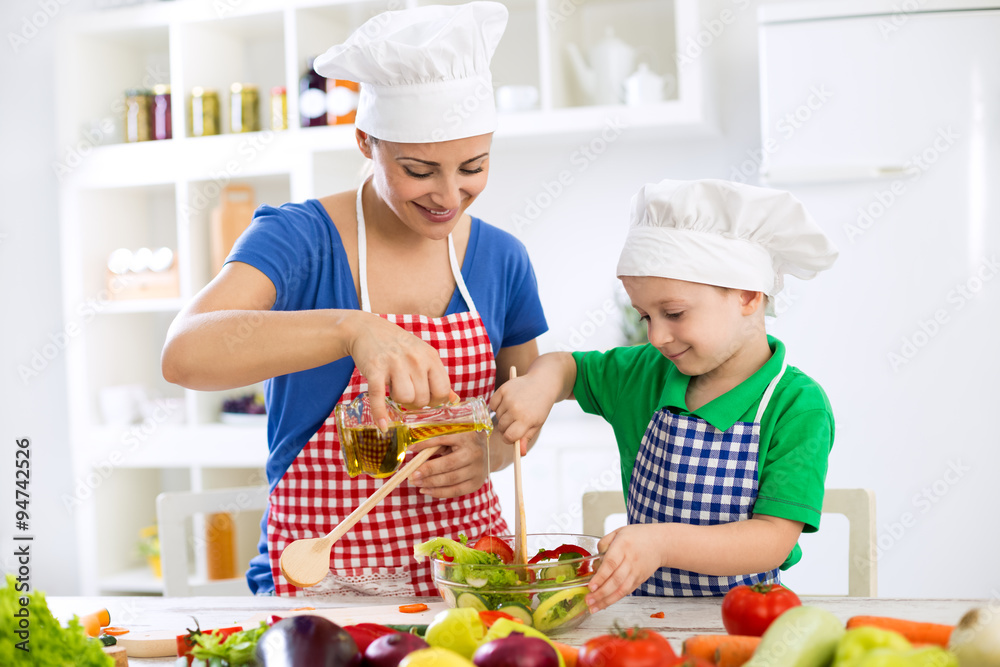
<point>975,641</point>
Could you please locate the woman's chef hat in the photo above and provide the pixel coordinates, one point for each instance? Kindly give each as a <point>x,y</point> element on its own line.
<point>723,233</point>
<point>424,72</point>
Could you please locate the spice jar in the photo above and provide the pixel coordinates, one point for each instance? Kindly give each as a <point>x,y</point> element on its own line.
<point>138,114</point>
<point>279,108</point>
<point>203,112</point>
<point>243,108</point>
<point>161,112</point>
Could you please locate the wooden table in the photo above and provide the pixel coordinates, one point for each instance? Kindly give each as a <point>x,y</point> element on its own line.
<point>682,617</point>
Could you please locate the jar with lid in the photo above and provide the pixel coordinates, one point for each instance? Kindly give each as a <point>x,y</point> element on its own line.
<point>161,112</point>
<point>279,108</point>
<point>203,112</point>
<point>244,114</point>
<point>138,114</point>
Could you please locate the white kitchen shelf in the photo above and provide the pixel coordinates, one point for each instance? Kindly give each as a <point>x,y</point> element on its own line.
<point>162,193</point>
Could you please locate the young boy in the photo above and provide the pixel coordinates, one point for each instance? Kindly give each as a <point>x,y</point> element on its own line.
<point>723,445</point>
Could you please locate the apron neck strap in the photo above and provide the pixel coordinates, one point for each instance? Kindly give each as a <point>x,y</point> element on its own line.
<point>366,304</point>
<point>769,391</point>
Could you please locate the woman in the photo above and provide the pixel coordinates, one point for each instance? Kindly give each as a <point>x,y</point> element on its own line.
<point>394,289</point>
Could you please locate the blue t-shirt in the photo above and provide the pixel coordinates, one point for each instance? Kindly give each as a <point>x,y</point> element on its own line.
<point>298,248</point>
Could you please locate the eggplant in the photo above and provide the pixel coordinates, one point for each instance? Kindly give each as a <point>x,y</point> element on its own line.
<point>307,641</point>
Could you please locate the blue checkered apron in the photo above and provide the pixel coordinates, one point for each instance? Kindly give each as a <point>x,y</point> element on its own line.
<point>688,471</point>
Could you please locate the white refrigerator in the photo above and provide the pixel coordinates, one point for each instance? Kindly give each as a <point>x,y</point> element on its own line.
<point>884,119</point>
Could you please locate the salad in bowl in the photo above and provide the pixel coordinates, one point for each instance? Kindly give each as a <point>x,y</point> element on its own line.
<point>547,593</point>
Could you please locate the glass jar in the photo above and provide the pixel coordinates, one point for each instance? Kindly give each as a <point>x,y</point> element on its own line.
<point>244,101</point>
<point>368,450</point>
<point>161,112</point>
<point>203,112</point>
<point>279,108</point>
<point>138,115</point>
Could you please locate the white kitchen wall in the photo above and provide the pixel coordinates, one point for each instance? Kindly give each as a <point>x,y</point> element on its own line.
<point>573,240</point>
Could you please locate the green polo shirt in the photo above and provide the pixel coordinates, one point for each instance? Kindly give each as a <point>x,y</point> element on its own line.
<point>627,385</point>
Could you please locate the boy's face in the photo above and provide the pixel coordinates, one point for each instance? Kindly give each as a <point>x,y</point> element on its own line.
<point>698,327</point>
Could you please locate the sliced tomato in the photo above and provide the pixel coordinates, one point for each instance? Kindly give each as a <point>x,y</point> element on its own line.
<point>495,545</point>
<point>543,554</point>
<point>570,551</point>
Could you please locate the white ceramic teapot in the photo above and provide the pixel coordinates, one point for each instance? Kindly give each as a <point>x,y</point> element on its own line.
<point>645,86</point>
<point>611,62</point>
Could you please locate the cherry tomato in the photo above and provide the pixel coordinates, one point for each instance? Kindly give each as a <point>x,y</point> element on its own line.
<point>749,610</point>
<point>634,647</point>
<point>495,545</point>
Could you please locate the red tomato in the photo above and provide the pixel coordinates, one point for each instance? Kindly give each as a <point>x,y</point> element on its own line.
<point>748,610</point>
<point>635,647</point>
<point>495,545</point>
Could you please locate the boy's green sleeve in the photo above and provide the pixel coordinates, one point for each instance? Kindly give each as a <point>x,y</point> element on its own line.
<point>598,381</point>
<point>793,479</point>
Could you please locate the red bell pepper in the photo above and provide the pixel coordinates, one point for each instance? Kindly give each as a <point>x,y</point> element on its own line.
<point>364,634</point>
<point>185,643</point>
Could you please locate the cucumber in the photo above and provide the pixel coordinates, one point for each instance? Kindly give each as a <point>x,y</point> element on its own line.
<point>476,582</point>
<point>802,636</point>
<point>472,601</point>
<point>565,570</point>
<point>518,611</point>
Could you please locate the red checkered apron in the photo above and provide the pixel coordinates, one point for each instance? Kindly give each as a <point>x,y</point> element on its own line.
<point>315,494</point>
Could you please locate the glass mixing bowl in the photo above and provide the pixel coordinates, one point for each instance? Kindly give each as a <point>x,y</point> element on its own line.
<point>548,594</point>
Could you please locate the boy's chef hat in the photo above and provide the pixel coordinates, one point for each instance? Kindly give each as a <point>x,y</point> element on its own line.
<point>723,233</point>
<point>424,72</point>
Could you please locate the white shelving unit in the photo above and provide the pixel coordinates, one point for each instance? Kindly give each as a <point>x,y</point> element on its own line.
<point>161,193</point>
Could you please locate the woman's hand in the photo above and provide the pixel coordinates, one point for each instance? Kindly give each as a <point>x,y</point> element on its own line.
<point>458,468</point>
<point>627,562</point>
<point>397,363</point>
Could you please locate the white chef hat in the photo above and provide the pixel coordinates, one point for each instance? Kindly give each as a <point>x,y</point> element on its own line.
<point>723,233</point>
<point>424,72</point>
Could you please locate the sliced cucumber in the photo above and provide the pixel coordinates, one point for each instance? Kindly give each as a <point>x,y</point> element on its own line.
<point>518,611</point>
<point>447,595</point>
<point>477,582</point>
<point>472,600</point>
<point>565,570</point>
<point>560,608</point>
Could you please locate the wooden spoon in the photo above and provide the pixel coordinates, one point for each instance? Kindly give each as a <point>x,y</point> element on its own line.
<point>305,562</point>
<point>520,538</point>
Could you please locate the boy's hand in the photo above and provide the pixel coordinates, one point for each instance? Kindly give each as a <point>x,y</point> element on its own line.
<point>522,405</point>
<point>627,562</point>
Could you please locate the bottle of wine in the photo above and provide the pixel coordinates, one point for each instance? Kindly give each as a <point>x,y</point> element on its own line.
<point>312,98</point>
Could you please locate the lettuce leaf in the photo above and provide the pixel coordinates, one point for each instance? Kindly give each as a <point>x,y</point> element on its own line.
<point>49,644</point>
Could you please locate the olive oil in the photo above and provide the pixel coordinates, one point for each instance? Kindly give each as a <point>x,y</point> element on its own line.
<point>367,450</point>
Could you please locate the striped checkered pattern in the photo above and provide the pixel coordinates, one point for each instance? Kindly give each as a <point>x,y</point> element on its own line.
<point>316,493</point>
<point>688,471</point>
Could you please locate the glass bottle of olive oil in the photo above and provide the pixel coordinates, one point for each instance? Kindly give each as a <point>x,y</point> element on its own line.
<point>370,451</point>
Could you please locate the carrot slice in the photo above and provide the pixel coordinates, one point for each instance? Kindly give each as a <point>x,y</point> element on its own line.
<point>658,614</point>
<point>115,631</point>
<point>413,608</point>
<point>915,631</point>
<point>302,609</point>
